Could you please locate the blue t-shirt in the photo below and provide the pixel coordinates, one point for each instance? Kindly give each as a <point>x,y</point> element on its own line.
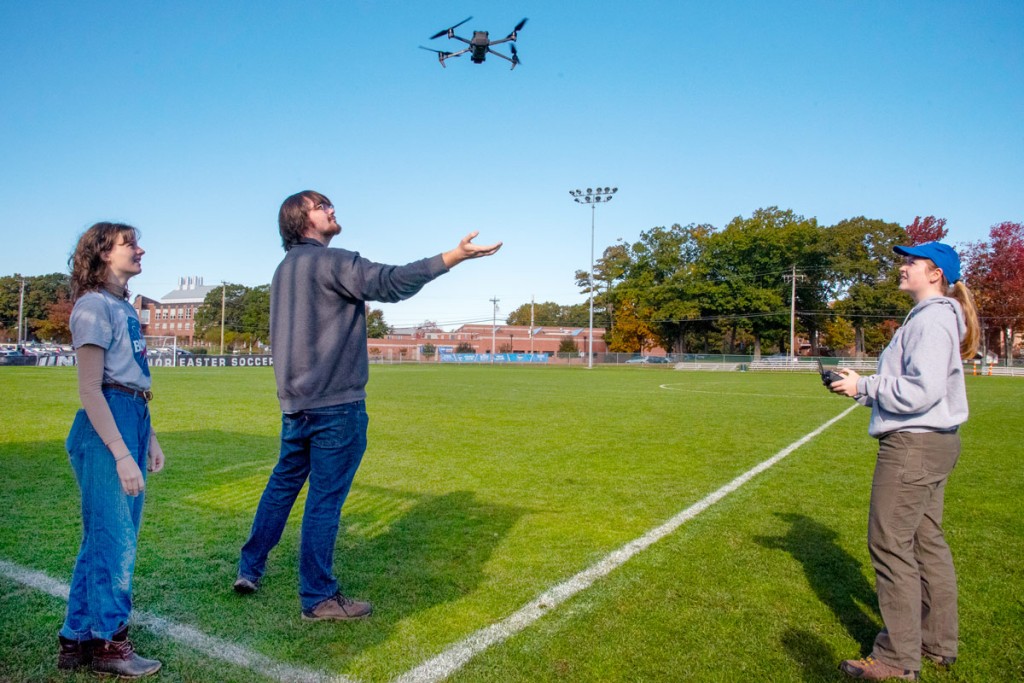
<point>111,323</point>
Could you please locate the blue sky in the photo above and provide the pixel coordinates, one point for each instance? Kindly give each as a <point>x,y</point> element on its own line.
<point>193,121</point>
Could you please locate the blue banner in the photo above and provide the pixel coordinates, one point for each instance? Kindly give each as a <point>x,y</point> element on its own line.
<point>496,358</point>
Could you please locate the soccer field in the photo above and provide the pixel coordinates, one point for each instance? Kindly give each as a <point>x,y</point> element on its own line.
<point>482,488</point>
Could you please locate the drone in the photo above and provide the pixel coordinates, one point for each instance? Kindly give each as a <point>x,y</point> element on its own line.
<point>479,46</point>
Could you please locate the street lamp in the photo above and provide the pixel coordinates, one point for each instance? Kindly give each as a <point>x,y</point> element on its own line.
<point>593,197</point>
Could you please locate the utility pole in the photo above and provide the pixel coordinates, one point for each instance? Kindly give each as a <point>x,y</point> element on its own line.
<point>223,299</point>
<point>494,327</point>
<point>531,324</point>
<point>593,198</point>
<point>21,310</point>
<point>792,278</point>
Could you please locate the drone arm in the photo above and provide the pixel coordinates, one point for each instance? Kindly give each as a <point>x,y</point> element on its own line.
<point>507,59</point>
<point>444,56</point>
<point>503,40</point>
<point>460,38</point>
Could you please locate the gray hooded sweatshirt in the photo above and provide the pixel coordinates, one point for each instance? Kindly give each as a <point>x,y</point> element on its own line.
<point>318,320</point>
<point>919,386</point>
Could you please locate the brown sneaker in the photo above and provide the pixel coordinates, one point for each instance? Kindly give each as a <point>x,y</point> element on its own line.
<point>338,608</point>
<point>939,660</point>
<point>117,657</point>
<point>74,653</point>
<point>870,669</point>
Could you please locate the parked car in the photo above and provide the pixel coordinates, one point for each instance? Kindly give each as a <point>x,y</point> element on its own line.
<point>648,360</point>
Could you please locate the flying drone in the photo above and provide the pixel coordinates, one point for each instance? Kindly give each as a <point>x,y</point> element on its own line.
<point>479,46</point>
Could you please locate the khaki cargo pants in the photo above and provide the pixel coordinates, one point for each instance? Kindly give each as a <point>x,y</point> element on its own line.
<point>914,571</point>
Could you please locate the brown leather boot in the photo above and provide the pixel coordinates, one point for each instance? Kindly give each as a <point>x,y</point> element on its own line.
<point>117,657</point>
<point>74,653</point>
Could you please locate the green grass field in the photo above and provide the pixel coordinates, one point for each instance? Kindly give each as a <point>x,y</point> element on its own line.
<point>482,487</point>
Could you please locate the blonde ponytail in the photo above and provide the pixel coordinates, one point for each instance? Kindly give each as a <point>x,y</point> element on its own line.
<point>969,345</point>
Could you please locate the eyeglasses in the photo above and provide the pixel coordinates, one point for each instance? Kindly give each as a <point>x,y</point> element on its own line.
<point>325,207</point>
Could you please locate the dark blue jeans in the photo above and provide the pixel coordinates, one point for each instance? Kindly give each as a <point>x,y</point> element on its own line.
<point>100,600</point>
<point>326,446</point>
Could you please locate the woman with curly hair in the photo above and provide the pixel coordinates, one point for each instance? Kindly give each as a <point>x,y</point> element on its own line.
<point>111,446</point>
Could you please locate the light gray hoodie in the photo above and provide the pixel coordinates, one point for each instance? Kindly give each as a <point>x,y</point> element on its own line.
<point>919,386</point>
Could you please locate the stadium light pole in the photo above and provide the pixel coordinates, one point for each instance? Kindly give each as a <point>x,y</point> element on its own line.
<point>21,314</point>
<point>223,299</point>
<point>592,197</point>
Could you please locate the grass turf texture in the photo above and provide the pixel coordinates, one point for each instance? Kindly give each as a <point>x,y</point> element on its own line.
<point>484,486</point>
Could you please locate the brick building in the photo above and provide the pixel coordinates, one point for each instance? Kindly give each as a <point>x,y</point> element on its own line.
<point>174,314</point>
<point>407,342</point>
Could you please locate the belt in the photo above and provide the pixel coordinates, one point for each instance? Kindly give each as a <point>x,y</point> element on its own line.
<point>146,395</point>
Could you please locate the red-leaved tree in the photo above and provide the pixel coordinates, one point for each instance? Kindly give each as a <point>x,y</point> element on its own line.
<point>927,229</point>
<point>995,273</point>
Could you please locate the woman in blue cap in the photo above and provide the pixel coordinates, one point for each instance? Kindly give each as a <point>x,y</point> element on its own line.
<point>918,402</point>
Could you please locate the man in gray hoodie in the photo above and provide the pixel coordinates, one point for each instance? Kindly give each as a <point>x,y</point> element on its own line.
<point>318,333</point>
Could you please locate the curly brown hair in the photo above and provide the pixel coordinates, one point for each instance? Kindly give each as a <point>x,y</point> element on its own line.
<point>88,269</point>
<point>291,219</point>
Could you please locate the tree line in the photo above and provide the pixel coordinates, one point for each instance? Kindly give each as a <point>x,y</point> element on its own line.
<point>46,312</point>
<point>684,288</point>
<point>697,288</point>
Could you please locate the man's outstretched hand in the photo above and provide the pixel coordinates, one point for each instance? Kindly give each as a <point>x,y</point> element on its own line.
<point>467,250</point>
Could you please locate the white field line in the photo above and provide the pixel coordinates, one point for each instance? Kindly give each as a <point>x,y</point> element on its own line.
<point>449,661</point>
<point>210,646</point>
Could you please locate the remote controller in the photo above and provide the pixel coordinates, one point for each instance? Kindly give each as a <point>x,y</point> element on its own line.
<point>828,376</point>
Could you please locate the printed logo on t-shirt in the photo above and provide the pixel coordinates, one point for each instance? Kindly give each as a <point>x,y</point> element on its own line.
<point>138,344</point>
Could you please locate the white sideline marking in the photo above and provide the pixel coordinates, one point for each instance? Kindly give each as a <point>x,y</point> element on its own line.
<point>449,661</point>
<point>211,646</point>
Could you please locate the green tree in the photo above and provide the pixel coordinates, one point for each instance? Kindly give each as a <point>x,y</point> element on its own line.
<point>550,314</point>
<point>464,347</point>
<point>254,317</point>
<point>746,265</point>
<point>208,315</point>
<point>567,345</point>
<point>545,313</point>
<point>41,291</point>
<point>376,328</point>
<point>428,350</point>
<point>864,272</point>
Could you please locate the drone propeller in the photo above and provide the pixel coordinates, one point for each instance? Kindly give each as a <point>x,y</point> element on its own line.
<point>447,30</point>
<point>440,52</point>
<point>512,35</point>
<point>515,54</point>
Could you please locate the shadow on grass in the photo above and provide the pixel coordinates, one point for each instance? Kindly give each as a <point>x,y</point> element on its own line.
<point>433,553</point>
<point>430,553</point>
<point>408,552</point>
<point>836,577</point>
<point>815,658</point>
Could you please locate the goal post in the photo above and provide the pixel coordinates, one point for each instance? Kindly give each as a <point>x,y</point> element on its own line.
<point>161,346</point>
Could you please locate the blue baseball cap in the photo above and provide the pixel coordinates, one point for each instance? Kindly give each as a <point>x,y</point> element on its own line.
<point>942,255</point>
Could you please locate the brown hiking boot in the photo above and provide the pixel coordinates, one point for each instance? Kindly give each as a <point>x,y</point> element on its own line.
<point>338,608</point>
<point>117,658</point>
<point>939,660</point>
<point>870,669</point>
<point>244,586</point>
<point>74,653</point>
